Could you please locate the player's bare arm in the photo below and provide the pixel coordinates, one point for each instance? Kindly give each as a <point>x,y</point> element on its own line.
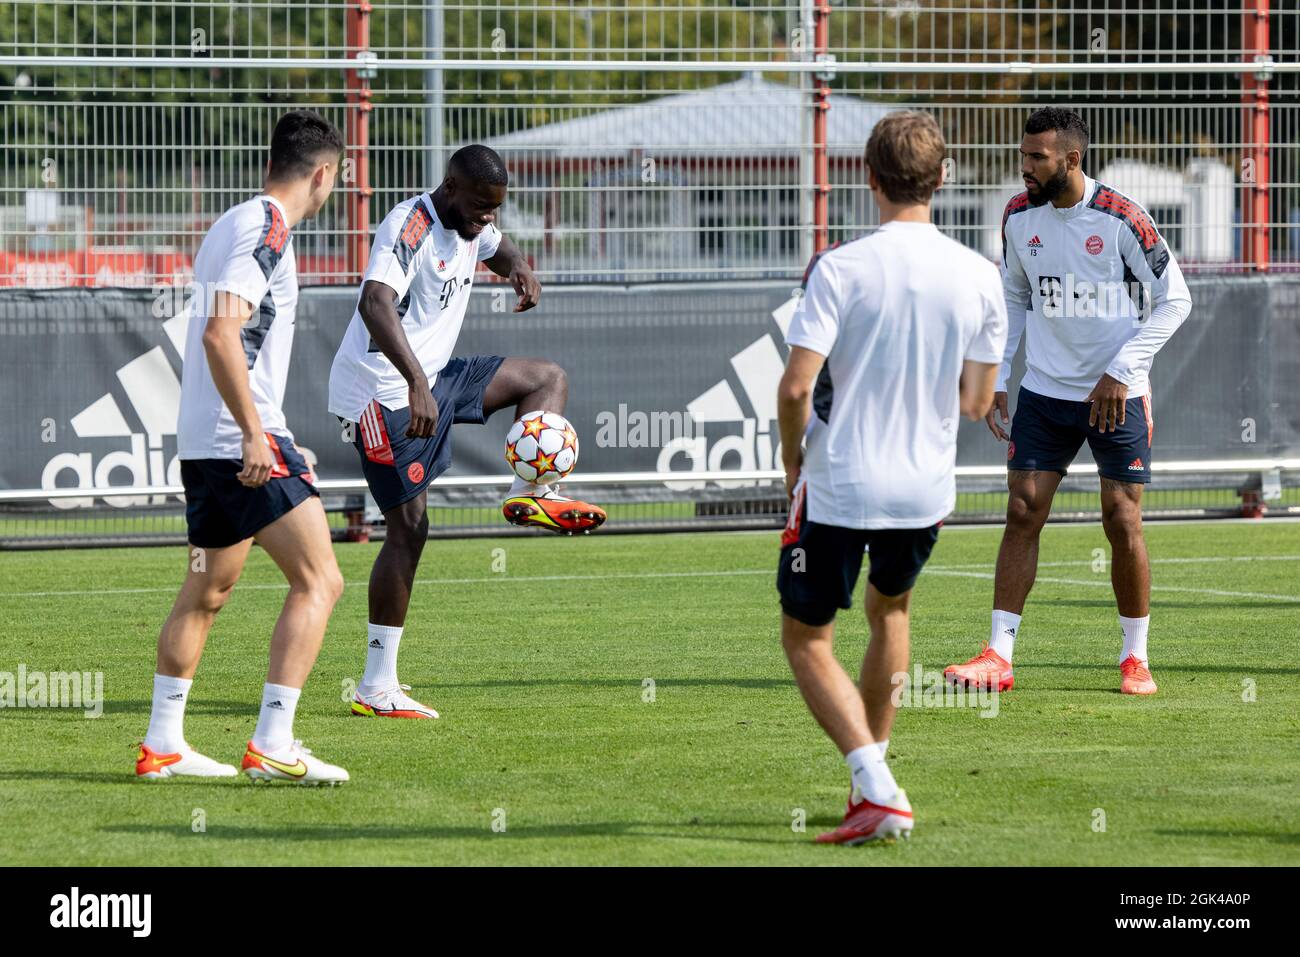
<point>976,389</point>
<point>378,308</point>
<point>793,407</point>
<point>1107,400</point>
<point>509,263</point>
<point>229,366</point>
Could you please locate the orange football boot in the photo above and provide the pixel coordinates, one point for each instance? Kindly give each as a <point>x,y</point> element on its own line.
<point>865,821</point>
<point>553,512</point>
<point>988,669</point>
<point>1135,677</point>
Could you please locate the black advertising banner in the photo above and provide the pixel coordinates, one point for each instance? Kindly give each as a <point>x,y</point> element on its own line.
<point>662,377</point>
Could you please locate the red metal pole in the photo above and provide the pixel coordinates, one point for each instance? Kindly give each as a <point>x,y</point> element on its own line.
<point>357,250</point>
<point>1263,215</point>
<point>821,156</point>
<point>1256,136</point>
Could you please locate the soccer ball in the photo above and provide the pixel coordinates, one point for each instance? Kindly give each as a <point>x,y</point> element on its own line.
<point>542,447</point>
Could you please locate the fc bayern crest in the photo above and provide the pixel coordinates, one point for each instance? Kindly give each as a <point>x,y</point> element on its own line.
<point>1094,245</point>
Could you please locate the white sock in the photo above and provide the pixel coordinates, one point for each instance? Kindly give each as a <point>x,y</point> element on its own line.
<point>882,748</point>
<point>1135,637</point>
<point>166,733</point>
<point>871,775</point>
<point>1003,638</point>
<point>275,722</point>
<point>382,642</point>
<point>520,487</point>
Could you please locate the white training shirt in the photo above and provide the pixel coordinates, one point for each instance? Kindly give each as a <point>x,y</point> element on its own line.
<point>1087,274</point>
<point>248,252</point>
<point>431,269</point>
<point>895,313</point>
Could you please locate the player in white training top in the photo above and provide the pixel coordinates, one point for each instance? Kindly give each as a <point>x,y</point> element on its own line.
<point>244,479</point>
<point>398,389</point>
<point>897,334</point>
<point>1103,294</point>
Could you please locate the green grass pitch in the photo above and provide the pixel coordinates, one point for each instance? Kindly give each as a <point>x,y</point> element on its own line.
<point>541,674</point>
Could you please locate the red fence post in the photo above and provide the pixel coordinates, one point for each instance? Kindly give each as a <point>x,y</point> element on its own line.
<point>1256,215</point>
<point>821,108</point>
<point>357,41</point>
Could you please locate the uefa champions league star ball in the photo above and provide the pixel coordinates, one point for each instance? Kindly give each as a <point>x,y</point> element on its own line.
<point>542,447</point>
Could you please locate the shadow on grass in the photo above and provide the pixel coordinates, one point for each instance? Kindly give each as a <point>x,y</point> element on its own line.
<point>127,776</point>
<point>142,706</point>
<point>629,829</point>
<point>1242,670</point>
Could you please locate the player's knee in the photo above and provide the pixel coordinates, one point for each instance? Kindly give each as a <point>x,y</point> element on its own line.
<point>213,598</point>
<point>881,607</point>
<point>1024,514</point>
<point>556,375</point>
<point>802,642</point>
<point>1123,523</point>
<point>408,528</point>
<point>324,585</point>
<point>332,585</point>
<point>548,375</point>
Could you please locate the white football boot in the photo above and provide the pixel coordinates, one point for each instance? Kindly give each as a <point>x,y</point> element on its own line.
<point>393,703</point>
<point>292,763</point>
<point>151,765</point>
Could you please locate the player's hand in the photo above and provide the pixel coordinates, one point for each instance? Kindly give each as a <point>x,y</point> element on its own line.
<point>424,411</point>
<point>258,461</point>
<point>792,477</point>
<point>527,288</point>
<point>1107,400</point>
<point>999,410</point>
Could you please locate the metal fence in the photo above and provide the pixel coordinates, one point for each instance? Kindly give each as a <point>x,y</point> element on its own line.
<point>646,141</point>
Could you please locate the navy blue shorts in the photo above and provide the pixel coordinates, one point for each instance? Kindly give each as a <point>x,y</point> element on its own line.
<point>221,511</point>
<point>1046,435</point>
<point>820,564</point>
<point>398,468</point>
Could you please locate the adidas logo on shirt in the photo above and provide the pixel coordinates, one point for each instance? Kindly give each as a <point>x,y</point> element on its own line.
<point>1035,243</point>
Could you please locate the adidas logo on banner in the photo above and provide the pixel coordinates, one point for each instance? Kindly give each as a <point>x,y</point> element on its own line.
<point>757,369</point>
<point>153,392</point>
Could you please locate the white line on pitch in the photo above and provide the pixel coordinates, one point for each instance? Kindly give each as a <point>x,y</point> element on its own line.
<point>1105,583</point>
<point>1154,561</point>
<point>951,570</point>
<point>419,581</point>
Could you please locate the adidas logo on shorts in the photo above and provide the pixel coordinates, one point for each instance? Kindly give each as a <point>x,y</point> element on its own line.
<point>1136,466</point>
